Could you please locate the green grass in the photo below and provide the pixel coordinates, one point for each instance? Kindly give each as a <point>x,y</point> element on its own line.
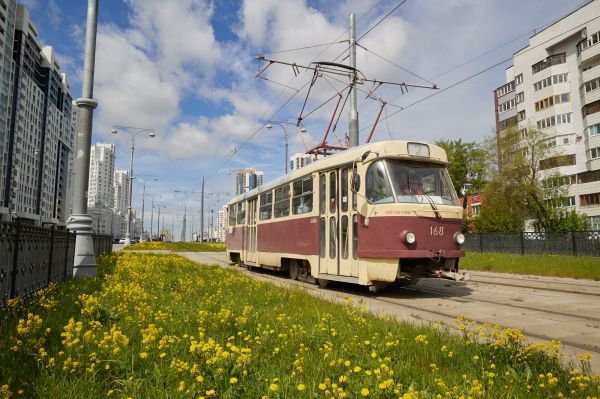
<point>180,246</point>
<point>543,265</point>
<point>157,326</point>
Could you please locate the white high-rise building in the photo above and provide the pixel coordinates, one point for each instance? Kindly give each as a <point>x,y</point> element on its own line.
<point>554,86</point>
<point>102,171</point>
<point>301,159</point>
<point>248,179</point>
<point>222,224</point>
<point>36,134</point>
<point>121,190</point>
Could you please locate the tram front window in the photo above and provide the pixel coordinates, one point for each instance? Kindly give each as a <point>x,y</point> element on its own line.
<point>411,182</point>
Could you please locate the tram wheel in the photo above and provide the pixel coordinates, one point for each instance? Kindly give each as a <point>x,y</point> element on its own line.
<point>322,282</point>
<point>293,269</point>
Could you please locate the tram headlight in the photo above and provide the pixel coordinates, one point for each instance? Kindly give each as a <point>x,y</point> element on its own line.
<point>410,237</point>
<point>460,238</point>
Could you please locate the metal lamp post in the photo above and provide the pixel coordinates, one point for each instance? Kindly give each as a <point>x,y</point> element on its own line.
<point>133,132</point>
<point>154,178</point>
<point>282,125</point>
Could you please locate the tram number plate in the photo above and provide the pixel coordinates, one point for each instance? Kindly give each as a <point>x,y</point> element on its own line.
<point>436,231</point>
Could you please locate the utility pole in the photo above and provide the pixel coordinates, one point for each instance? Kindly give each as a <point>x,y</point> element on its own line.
<point>84,262</point>
<point>202,212</point>
<point>353,128</point>
<point>183,226</point>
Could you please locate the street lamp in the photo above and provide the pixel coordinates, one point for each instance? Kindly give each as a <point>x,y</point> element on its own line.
<point>154,178</point>
<point>133,132</point>
<point>282,125</point>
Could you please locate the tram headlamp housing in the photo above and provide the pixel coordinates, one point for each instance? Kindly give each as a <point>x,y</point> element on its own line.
<point>459,238</point>
<point>409,237</point>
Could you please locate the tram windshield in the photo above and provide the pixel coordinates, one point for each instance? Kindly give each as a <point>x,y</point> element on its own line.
<point>396,180</point>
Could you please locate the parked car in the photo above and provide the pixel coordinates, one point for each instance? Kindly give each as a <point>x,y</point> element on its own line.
<point>122,241</point>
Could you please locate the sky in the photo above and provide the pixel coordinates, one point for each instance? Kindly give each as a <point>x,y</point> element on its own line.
<point>186,68</point>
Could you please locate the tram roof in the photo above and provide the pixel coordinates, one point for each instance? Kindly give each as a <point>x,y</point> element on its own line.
<point>384,149</point>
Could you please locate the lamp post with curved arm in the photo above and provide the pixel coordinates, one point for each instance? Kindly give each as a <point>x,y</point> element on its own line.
<point>133,132</point>
<point>282,125</point>
<point>154,178</point>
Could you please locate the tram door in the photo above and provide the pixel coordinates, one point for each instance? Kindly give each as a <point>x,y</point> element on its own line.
<point>337,224</point>
<point>250,245</point>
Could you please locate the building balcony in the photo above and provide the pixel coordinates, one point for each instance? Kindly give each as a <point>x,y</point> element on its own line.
<point>591,119</point>
<point>591,96</point>
<point>590,74</point>
<point>589,54</point>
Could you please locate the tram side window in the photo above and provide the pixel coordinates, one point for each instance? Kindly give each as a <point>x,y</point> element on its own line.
<point>231,210</point>
<point>241,212</point>
<point>266,205</point>
<point>322,196</point>
<point>302,200</point>
<point>282,201</point>
<point>344,190</point>
<point>332,191</point>
<point>322,238</point>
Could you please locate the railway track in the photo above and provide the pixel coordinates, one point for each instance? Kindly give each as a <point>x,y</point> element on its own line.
<point>593,294</point>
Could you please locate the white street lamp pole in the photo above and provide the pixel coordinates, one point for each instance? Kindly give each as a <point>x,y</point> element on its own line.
<point>282,125</point>
<point>133,132</point>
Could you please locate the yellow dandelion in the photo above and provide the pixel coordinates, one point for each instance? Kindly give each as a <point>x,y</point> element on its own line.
<point>301,387</point>
<point>274,387</point>
<point>364,392</point>
<point>233,380</point>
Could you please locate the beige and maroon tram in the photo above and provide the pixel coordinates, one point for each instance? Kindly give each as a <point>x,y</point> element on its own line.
<point>378,214</point>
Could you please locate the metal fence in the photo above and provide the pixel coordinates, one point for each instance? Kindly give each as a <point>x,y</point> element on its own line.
<point>32,257</point>
<point>580,243</point>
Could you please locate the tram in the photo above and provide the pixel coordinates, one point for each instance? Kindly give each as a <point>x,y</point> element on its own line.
<point>375,215</point>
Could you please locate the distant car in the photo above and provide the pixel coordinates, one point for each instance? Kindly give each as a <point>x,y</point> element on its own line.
<point>135,240</point>
<point>121,241</point>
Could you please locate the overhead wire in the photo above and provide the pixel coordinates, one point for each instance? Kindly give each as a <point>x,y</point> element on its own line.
<point>302,48</point>
<point>523,51</point>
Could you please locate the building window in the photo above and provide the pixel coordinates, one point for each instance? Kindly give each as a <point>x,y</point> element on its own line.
<point>520,97</point>
<point>557,161</point>
<point>590,41</point>
<point>594,222</point>
<point>593,130</point>
<point>555,59</point>
<point>549,81</point>
<point>476,210</point>
<point>521,116</point>
<point>505,124</point>
<point>595,153</point>
<point>591,85</point>
<point>519,79</point>
<point>507,88</point>
<point>551,101</point>
<point>589,199</point>
<point>510,104</point>
<point>591,108</point>
<point>560,119</point>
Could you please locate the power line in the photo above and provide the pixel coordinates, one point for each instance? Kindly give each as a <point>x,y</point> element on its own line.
<point>484,70</point>
<point>302,48</point>
<point>396,65</point>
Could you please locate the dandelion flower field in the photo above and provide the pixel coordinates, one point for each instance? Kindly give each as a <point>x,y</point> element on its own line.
<point>178,246</point>
<point>161,326</point>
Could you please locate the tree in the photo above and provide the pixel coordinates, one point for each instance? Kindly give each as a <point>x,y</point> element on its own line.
<point>526,186</point>
<point>467,164</point>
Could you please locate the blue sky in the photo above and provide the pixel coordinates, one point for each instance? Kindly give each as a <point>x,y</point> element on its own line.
<point>186,68</point>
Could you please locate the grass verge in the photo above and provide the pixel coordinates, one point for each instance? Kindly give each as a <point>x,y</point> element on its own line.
<point>543,265</point>
<point>179,246</point>
<point>161,327</point>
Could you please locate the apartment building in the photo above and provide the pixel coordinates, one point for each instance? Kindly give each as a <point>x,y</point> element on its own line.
<point>554,86</point>
<point>248,179</point>
<point>121,191</point>
<point>301,159</point>
<point>38,136</point>
<point>7,31</point>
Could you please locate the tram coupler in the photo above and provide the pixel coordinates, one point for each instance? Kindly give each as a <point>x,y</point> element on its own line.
<point>452,275</point>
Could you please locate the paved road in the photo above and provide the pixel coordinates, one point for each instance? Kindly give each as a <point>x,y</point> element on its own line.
<point>544,308</point>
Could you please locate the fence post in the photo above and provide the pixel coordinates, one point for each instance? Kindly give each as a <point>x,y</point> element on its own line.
<point>51,255</point>
<point>522,243</point>
<point>15,271</point>
<point>480,243</point>
<point>574,241</point>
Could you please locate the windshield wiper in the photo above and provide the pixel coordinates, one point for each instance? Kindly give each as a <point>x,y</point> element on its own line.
<point>438,215</point>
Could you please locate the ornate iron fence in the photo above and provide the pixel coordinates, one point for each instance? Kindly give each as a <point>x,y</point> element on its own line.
<point>578,243</point>
<point>32,257</point>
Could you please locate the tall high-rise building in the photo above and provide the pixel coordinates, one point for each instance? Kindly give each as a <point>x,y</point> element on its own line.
<point>222,224</point>
<point>554,86</point>
<point>301,159</point>
<point>102,172</point>
<point>38,137</point>
<point>121,191</point>
<point>247,179</point>
<point>7,32</point>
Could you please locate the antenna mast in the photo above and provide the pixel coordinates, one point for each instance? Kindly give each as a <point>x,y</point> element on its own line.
<point>353,128</point>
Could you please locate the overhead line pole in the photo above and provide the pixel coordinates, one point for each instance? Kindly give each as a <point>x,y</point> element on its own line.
<point>202,212</point>
<point>353,128</point>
